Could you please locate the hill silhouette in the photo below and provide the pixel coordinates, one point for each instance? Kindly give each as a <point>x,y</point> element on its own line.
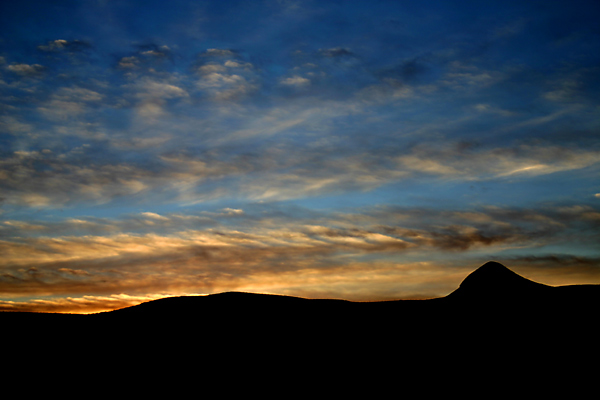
<point>491,286</point>
<point>494,279</point>
<point>492,298</point>
<point>495,285</point>
<point>494,321</point>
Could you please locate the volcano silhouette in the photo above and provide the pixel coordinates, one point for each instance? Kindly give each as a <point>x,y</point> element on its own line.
<point>494,281</point>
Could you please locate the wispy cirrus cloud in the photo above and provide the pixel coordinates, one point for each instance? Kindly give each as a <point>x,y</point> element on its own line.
<point>272,174</point>
<point>458,162</point>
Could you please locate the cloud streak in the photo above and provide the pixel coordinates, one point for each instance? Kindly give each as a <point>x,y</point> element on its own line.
<point>275,174</point>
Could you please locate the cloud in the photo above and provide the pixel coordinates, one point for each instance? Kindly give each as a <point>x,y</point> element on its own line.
<point>69,102</point>
<point>219,53</point>
<point>154,216</point>
<point>28,70</point>
<point>574,86</point>
<point>84,304</point>
<point>24,226</point>
<point>153,98</point>
<point>192,261</point>
<point>128,62</point>
<point>238,64</point>
<point>461,76</point>
<point>226,86</point>
<point>36,200</point>
<point>519,161</point>
<point>233,211</point>
<point>211,68</point>
<point>151,89</point>
<point>566,91</point>
<point>281,172</point>
<point>225,80</point>
<point>148,58</point>
<point>61,45</point>
<point>77,94</point>
<point>335,52</point>
<point>295,80</point>
<point>386,91</point>
<point>154,50</point>
<point>490,109</point>
<point>320,176</point>
<point>53,180</point>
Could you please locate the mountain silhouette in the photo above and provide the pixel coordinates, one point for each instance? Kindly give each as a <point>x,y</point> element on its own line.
<point>494,281</point>
<point>490,287</point>
<point>494,321</point>
<point>492,284</point>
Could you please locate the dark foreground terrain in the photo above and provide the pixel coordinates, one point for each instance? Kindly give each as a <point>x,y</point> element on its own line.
<point>497,325</point>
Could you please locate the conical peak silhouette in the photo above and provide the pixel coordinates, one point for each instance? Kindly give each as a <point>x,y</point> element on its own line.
<point>493,277</point>
<point>489,273</point>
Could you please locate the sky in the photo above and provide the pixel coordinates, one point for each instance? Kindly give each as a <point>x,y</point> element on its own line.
<point>358,150</point>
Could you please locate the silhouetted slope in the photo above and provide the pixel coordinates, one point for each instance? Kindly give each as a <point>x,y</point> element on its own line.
<point>228,302</point>
<point>493,284</point>
<point>496,323</point>
<point>493,281</point>
<point>492,295</point>
<point>490,283</point>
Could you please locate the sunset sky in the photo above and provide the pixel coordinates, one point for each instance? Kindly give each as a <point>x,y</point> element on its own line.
<point>361,150</point>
